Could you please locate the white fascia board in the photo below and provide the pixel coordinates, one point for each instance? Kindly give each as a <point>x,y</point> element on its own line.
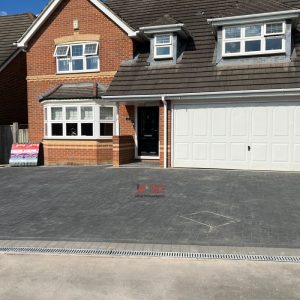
<point>48,10</point>
<point>162,28</point>
<point>130,32</point>
<point>269,93</point>
<point>11,58</point>
<point>22,42</point>
<point>76,101</point>
<point>246,19</point>
<point>132,98</point>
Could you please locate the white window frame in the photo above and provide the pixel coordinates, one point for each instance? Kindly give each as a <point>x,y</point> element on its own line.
<point>161,45</point>
<point>84,57</point>
<point>95,121</point>
<point>101,121</point>
<point>67,52</point>
<point>95,52</point>
<point>262,38</point>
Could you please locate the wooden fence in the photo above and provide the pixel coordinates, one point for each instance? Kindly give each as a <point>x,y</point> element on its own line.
<point>10,134</point>
<point>22,136</point>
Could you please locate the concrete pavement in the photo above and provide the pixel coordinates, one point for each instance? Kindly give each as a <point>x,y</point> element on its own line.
<point>46,277</point>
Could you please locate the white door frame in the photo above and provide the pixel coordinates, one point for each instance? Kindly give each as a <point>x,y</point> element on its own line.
<point>149,104</point>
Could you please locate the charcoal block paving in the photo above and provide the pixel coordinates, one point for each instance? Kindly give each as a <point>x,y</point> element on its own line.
<point>199,207</point>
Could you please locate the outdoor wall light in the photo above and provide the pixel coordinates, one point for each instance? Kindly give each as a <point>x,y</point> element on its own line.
<point>75,24</point>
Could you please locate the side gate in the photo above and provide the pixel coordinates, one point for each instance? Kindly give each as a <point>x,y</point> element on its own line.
<point>6,140</point>
<point>10,134</point>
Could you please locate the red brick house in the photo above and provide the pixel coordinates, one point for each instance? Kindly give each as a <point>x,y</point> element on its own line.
<point>13,87</point>
<point>186,83</point>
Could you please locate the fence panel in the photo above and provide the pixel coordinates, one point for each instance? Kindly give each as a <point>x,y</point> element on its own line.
<point>23,136</point>
<point>6,141</point>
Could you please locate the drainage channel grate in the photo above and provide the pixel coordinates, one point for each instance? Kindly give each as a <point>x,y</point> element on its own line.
<point>99,252</point>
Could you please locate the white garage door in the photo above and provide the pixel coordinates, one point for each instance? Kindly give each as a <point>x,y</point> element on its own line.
<point>237,136</point>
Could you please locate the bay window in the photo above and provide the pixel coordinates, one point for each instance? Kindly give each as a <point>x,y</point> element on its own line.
<point>82,57</point>
<point>254,39</point>
<point>71,121</point>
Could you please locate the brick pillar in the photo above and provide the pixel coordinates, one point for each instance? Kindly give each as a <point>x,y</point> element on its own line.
<point>123,150</point>
<point>161,134</point>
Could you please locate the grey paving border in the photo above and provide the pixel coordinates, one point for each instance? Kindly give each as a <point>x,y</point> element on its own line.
<point>150,247</point>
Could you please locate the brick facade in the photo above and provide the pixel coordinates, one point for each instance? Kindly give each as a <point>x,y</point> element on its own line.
<point>77,152</point>
<point>114,47</point>
<point>13,92</point>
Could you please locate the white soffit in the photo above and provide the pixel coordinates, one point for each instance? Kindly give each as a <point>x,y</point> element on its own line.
<point>254,18</point>
<point>268,93</point>
<point>162,28</point>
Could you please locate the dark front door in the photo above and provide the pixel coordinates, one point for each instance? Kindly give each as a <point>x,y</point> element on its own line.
<point>148,119</point>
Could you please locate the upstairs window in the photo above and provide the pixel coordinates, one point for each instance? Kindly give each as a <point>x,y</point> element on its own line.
<point>254,39</point>
<point>163,46</point>
<point>77,58</point>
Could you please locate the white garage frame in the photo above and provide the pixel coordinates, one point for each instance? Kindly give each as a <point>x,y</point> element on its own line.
<point>242,102</point>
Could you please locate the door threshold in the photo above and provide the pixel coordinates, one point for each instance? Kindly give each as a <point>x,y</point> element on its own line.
<point>141,165</point>
<point>148,157</point>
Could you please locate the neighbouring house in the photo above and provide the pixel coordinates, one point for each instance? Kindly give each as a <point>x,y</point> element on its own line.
<point>197,84</point>
<point>13,85</point>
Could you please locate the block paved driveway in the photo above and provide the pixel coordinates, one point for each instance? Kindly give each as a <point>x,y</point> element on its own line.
<point>200,207</point>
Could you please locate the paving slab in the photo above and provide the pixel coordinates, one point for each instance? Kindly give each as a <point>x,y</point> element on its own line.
<point>72,277</point>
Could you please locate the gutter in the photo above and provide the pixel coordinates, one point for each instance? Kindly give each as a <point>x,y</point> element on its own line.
<point>155,27</point>
<point>243,19</point>
<point>209,95</point>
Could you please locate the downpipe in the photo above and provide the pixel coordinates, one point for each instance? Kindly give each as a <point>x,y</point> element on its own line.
<point>163,99</point>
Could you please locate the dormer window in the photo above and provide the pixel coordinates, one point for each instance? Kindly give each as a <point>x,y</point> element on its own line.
<point>163,46</point>
<point>168,39</point>
<point>75,58</point>
<point>254,39</point>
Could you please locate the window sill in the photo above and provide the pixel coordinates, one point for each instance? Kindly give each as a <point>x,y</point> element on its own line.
<point>254,54</point>
<point>78,138</point>
<point>164,58</point>
<point>77,72</point>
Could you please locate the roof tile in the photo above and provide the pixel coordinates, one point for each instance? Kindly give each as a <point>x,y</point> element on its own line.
<point>11,29</point>
<point>197,71</point>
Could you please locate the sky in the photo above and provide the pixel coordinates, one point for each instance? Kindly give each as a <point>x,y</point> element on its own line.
<point>10,7</point>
